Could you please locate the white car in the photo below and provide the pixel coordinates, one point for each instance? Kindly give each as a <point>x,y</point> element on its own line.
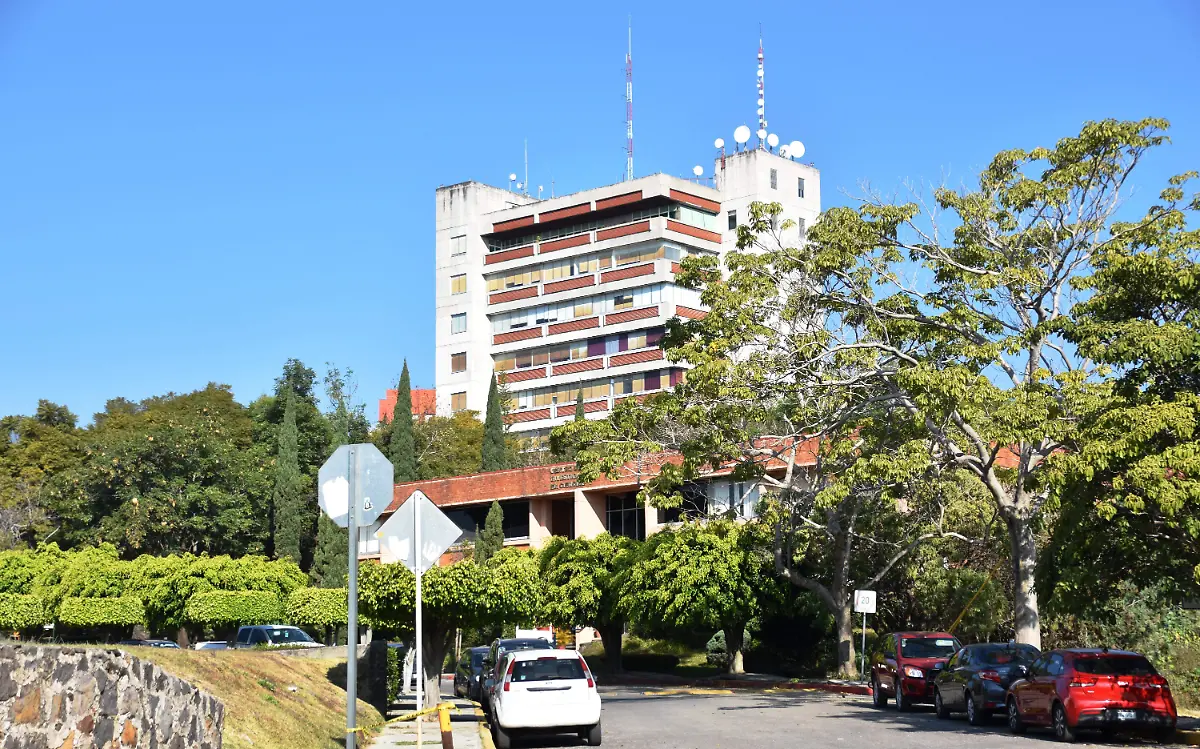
<point>545,691</point>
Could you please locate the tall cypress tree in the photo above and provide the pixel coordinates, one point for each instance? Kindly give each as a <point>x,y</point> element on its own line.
<point>492,539</point>
<point>402,451</point>
<point>494,453</point>
<point>579,406</point>
<point>289,494</point>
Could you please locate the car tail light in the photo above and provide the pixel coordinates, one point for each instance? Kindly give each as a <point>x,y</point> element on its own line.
<point>508,674</point>
<point>1081,682</point>
<point>990,675</point>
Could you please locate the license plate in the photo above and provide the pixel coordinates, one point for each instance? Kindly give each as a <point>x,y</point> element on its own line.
<point>1126,715</point>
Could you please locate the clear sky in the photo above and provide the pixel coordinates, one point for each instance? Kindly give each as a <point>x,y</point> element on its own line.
<point>196,191</point>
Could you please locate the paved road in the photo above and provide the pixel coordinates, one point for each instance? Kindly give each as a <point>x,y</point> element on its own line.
<point>807,720</point>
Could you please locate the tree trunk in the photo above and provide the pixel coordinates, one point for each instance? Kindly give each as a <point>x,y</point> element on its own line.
<point>735,641</point>
<point>844,618</point>
<point>610,635</point>
<point>1023,549</point>
<point>437,643</point>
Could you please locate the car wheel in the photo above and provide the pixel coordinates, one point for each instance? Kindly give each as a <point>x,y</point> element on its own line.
<point>1062,730</point>
<point>975,716</point>
<point>592,735</point>
<point>901,703</point>
<point>1164,735</point>
<point>1015,724</point>
<point>502,737</point>
<point>878,698</point>
<point>940,707</point>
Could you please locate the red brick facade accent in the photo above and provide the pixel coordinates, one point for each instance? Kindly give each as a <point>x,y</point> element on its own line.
<point>629,197</point>
<point>515,223</point>
<point>572,210</point>
<point>541,413</point>
<point>688,312</point>
<point>638,398</point>
<point>711,206</point>
<point>634,314</point>
<point>571,283</point>
<point>561,411</point>
<point>595,407</point>
<point>523,374</point>
<point>517,335</point>
<point>508,296</point>
<point>632,271</point>
<point>513,254</point>
<point>675,267</point>
<point>424,404</point>
<point>620,360</point>
<point>623,231</point>
<point>579,366</point>
<point>562,244</point>
<point>567,327</point>
<point>692,231</point>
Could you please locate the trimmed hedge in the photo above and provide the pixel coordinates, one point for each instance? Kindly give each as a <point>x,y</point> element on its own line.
<point>101,612</point>
<point>229,607</point>
<point>318,607</point>
<point>21,612</point>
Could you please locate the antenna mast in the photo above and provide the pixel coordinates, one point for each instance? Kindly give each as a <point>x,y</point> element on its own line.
<point>629,105</point>
<point>762,93</point>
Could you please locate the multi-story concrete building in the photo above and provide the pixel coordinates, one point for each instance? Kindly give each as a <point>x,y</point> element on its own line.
<point>572,293</point>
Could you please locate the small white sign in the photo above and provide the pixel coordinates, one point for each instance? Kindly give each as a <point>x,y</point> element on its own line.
<point>864,601</point>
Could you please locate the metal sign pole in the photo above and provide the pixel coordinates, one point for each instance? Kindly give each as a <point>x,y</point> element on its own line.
<point>862,670</point>
<point>417,571</point>
<point>352,610</point>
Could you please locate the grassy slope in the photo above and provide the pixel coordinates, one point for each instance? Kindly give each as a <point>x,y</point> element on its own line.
<point>260,711</point>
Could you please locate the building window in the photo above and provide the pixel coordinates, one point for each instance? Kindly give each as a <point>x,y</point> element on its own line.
<point>458,362</point>
<point>458,284</point>
<point>458,245</point>
<point>623,301</point>
<point>732,215</point>
<point>625,518</point>
<point>458,323</point>
<point>800,187</point>
<point>458,401</point>
<point>471,519</point>
<point>774,179</point>
<point>801,227</point>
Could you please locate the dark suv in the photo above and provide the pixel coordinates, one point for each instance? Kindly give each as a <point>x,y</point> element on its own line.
<point>909,665</point>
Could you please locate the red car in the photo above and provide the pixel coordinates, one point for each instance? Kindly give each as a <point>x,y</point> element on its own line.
<point>910,663</point>
<point>1107,690</point>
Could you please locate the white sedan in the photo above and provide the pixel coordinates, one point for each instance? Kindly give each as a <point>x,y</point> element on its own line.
<point>543,692</point>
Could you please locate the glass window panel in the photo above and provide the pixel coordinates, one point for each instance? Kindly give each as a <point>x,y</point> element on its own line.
<point>505,363</point>
<point>559,353</point>
<point>774,179</point>
<point>583,308</point>
<point>623,301</point>
<point>458,401</point>
<point>458,284</point>
<point>605,261</point>
<point>540,358</point>
<point>458,362</point>
<point>732,215</point>
<point>800,187</point>
<point>458,245</point>
<point>458,323</point>
<point>653,380</point>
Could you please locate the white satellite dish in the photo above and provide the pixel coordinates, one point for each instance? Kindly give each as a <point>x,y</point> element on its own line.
<point>512,178</point>
<point>519,185</point>
<point>783,151</point>
<point>772,140</point>
<point>719,143</point>
<point>796,149</point>
<point>741,134</point>
<point>762,134</point>
<point>760,71</point>
<point>760,102</point>
<point>697,170</point>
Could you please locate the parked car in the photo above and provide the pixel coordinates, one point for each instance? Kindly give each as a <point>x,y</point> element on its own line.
<point>274,636</point>
<point>1108,690</point>
<point>545,692</point>
<point>909,665</point>
<point>975,681</point>
<point>492,663</point>
<point>150,643</point>
<point>468,676</point>
<point>211,645</point>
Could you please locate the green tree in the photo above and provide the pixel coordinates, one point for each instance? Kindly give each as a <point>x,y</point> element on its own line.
<point>583,586</point>
<point>348,424</point>
<point>402,448</point>
<point>701,575</point>
<point>288,496</point>
<point>448,445</point>
<point>580,414</point>
<point>34,452</point>
<point>494,451</point>
<point>491,540</point>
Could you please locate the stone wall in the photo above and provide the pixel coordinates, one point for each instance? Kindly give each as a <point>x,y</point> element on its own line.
<point>89,698</point>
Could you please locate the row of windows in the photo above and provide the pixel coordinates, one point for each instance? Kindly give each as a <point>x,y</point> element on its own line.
<point>775,183</point>
<point>577,308</point>
<point>733,222</point>
<point>676,211</point>
<point>584,264</point>
<point>599,346</point>
<point>600,388</point>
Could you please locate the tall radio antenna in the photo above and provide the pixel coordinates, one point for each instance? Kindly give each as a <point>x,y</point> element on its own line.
<point>629,105</point>
<point>762,95</point>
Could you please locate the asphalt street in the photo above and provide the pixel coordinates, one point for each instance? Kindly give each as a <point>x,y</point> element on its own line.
<point>662,719</point>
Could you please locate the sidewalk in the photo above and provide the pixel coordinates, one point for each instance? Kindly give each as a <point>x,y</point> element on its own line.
<point>466,722</point>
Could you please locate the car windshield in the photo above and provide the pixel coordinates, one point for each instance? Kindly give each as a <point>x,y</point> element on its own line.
<point>545,669</point>
<point>928,647</point>
<point>1114,665</point>
<point>288,635</point>
<point>1004,656</point>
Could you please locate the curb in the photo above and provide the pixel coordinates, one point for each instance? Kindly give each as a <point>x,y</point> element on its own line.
<point>1188,738</point>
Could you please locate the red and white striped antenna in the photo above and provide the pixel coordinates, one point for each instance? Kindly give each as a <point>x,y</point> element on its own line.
<point>629,105</point>
<point>762,95</point>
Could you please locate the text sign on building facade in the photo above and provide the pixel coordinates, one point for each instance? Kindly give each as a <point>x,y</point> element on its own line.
<point>864,601</point>
<point>372,484</point>
<point>397,535</point>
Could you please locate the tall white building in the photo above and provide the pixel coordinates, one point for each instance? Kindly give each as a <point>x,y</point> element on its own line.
<point>572,293</point>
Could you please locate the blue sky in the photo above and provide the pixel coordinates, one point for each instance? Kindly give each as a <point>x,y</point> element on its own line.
<point>194,192</point>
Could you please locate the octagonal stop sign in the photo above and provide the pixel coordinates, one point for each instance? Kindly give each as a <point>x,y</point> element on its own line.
<point>372,484</point>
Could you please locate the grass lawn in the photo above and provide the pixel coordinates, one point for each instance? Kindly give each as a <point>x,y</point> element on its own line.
<point>261,708</point>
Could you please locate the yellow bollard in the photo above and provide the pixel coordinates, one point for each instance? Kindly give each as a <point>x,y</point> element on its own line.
<point>444,722</point>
